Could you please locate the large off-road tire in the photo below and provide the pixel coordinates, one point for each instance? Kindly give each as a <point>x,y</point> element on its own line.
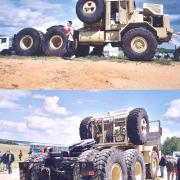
<point>28,42</point>
<point>138,126</point>
<point>87,156</point>
<point>139,44</point>
<point>135,165</point>
<point>82,50</point>
<point>152,168</point>
<point>84,129</point>
<point>110,164</point>
<point>90,11</point>
<point>97,51</point>
<point>55,42</point>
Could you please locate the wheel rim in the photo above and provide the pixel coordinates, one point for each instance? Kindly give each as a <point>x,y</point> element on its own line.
<point>154,165</point>
<point>138,171</point>
<point>139,44</point>
<point>26,42</point>
<point>144,126</point>
<point>89,7</point>
<point>56,42</point>
<point>116,172</point>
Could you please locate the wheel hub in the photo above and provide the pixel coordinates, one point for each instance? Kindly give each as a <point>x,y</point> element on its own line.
<point>154,165</point>
<point>116,172</point>
<point>26,42</point>
<point>144,126</point>
<point>139,44</point>
<point>56,42</point>
<point>138,171</point>
<point>89,7</point>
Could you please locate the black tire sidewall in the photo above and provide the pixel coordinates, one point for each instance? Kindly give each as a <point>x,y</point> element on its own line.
<point>134,126</point>
<point>92,18</point>
<point>136,156</point>
<point>84,130</point>
<point>109,157</point>
<point>148,36</point>
<point>36,47</point>
<point>54,52</point>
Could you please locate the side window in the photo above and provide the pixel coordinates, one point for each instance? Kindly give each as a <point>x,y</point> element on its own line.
<point>114,9</point>
<point>3,40</point>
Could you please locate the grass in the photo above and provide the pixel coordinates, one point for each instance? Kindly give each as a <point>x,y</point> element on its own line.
<point>120,59</point>
<point>15,150</point>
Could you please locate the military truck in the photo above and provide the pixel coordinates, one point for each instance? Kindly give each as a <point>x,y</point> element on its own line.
<point>105,21</point>
<point>117,145</point>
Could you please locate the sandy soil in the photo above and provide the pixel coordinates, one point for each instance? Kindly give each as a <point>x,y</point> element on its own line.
<point>56,73</point>
<point>13,176</point>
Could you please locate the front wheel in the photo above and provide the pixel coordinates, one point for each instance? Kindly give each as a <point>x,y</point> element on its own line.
<point>139,44</point>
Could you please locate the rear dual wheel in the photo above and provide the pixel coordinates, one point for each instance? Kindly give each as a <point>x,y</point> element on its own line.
<point>28,42</point>
<point>55,42</point>
<point>110,164</point>
<point>135,165</point>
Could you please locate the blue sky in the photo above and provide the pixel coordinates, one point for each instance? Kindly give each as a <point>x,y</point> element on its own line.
<point>41,14</point>
<point>54,116</point>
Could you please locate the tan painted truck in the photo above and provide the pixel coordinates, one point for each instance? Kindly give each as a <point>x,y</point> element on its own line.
<point>121,145</point>
<point>105,21</point>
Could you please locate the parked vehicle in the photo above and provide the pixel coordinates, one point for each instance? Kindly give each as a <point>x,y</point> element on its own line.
<point>115,145</point>
<point>5,45</point>
<point>117,22</point>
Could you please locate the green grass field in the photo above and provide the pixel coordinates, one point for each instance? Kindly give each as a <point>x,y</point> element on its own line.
<point>15,150</point>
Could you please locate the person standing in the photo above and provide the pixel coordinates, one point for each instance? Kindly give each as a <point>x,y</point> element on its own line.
<point>171,168</point>
<point>20,155</point>
<point>162,165</point>
<point>178,169</point>
<point>70,45</point>
<point>4,161</point>
<point>10,160</point>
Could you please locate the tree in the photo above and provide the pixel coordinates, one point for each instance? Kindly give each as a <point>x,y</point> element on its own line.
<point>170,145</point>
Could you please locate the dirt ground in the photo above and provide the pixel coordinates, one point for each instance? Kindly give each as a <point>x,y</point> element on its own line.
<point>56,73</point>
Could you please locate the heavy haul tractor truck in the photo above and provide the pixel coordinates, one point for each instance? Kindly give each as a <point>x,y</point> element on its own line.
<point>121,145</point>
<point>105,21</point>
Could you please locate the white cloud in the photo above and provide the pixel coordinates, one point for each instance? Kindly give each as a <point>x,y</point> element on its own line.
<point>173,111</point>
<point>43,129</point>
<point>38,14</point>
<point>12,126</point>
<point>8,99</point>
<point>51,104</point>
<point>39,123</point>
<point>7,104</point>
<point>167,132</point>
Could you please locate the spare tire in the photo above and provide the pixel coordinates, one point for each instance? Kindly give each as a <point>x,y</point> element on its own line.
<point>55,42</point>
<point>84,129</point>
<point>90,11</point>
<point>28,42</point>
<point>138,126</point>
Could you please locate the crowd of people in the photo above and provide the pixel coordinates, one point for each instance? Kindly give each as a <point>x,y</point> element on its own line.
<point>7,159</point>
<point>172,165</point>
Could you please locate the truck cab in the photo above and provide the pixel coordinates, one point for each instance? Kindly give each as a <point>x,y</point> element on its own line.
<point>5,43</point>
<point>119,22</point>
